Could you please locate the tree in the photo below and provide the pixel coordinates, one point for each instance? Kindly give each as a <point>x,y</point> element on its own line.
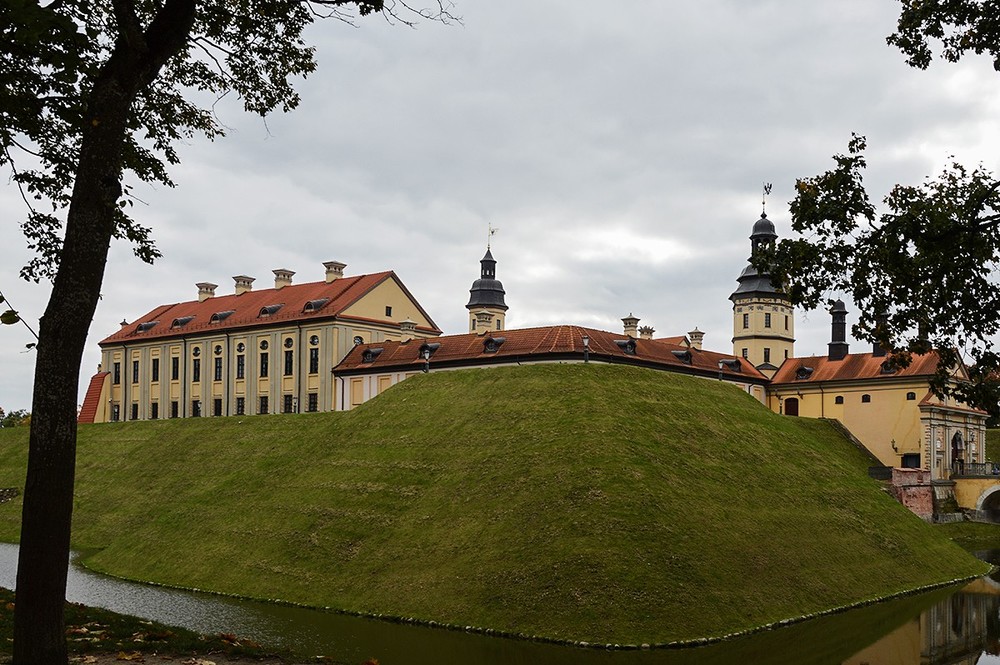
<point>923,272</point>
<point>93,97</point>
<point>18,418</point>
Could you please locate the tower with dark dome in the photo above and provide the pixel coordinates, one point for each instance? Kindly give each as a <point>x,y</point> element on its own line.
<point>487,308</point>
<point>763,318</point>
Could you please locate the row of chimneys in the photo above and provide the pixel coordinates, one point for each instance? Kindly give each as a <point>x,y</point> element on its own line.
<point>632,329</point>
<point>838,344</point>
<point>282,278</point>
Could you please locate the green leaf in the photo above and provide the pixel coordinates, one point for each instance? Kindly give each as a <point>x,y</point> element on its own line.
<point>9,317</point>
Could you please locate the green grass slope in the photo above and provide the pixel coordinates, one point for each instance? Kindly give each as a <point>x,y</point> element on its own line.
<point>579,502</point>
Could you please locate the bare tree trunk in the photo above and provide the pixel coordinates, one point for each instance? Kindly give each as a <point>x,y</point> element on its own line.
<point>43,560</point>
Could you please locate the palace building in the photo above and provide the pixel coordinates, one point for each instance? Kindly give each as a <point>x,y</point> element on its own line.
<point>249,351</point>
<point>333,345</point>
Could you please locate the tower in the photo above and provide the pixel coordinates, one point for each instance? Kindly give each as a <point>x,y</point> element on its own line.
<point>763,318</point>
<point>486,297</point>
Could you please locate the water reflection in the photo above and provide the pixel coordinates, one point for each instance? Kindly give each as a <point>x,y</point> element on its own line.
<point>945,627</point>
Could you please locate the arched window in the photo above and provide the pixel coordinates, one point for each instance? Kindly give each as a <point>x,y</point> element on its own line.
<point>839,399</point>
<point>865,399</point>
<point>911,396</point>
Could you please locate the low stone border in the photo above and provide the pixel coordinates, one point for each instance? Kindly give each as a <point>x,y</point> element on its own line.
<point>492,632</point>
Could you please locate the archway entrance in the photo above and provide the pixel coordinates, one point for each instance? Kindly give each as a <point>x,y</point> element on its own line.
<point>957,454</point>
<point>989,505</point>
<point>792,406</point>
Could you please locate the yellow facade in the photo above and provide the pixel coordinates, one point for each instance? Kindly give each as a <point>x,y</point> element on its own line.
<point>266,367</point>
<point>897,419</point>
<point>763,331</point>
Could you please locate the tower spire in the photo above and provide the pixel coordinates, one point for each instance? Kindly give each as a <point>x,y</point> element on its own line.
<point>489,235</point>
<point>763,199</point>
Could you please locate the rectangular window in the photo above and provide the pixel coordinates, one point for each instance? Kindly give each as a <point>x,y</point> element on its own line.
<point>218,369</point>
<point>746,353</point>
<point>289,362</point>
<point>117,373</point>
<point>135,411</point>
<point>154,410</point>
<point>175,368</point>
<point>241,366</point>
<point>313,402</point>
<point>263,364</point>
<point>241,406</point>
<point>767,355</point>
<point>195,408</point>
<point>498,324</point>
<point>767,319</point>
<point>196,370</point>
<point>388,310</point>
<point>786,354</point>
<point>135,371</point>
<point>263,404</point>
<point>155,370</point>
<point>746,320</point>
<point>786,322</point>
<point>217,407</point>
<point>287,405</point>
<point>314,361</point>
<point>174,409</point>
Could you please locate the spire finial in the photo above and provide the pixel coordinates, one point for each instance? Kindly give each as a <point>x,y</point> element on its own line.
<point>763,199</point>
<point>489,236</point>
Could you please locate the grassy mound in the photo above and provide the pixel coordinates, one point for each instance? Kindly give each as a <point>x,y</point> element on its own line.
<point>581,502</point>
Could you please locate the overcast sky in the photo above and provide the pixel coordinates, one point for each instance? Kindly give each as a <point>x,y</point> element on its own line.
<point>619,150</point>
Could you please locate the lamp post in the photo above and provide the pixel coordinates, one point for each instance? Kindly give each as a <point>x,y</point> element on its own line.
<point>586,348</point>
<point>425,353</point>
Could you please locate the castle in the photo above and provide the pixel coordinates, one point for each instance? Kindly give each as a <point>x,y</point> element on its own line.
<point>334,344</point>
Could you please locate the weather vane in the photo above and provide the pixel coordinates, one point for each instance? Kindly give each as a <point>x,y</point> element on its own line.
<point>763,199</point>
<point>489,236</point>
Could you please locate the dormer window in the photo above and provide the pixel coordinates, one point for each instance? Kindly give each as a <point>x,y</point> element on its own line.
<point>182,321</point>
<point>732,365</point>
<point>427,349</point>
<point>143,327</point>
<point>219,317</point>
<point>269,310</point>
<point>683,356</point>
<point>314,305</point>
<point>627,346</point>
<point>369,355</point>
<point>493,344</point>
<point>888,367</point>
<point>803,373</point>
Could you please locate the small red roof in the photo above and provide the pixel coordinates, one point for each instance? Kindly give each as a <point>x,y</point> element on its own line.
<point>325,299</point>
<point>91,402</point>
<point>534,344</point>
<point>853,367</point>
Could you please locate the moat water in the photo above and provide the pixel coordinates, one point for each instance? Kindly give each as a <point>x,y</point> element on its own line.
<point>954,626</point>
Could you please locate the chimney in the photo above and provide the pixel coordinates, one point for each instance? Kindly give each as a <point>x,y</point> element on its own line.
<point>484,322</point>
<point>696,336</point>
<point>334,270</point>
<point>631,326</point>
<point>243,283</point>
<point>282,277</point>
<point>646,332</point>
<point>407,329</point>
<point>838,343</point>
<point>877,350</point>
<point>206,290</point>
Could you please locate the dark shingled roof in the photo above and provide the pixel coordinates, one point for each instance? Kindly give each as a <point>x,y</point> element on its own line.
<point>544,343</point>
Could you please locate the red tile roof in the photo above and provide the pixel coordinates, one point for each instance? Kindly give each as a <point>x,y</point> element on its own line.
<point>246,307</point>
<point>91,402</point>
<point>854,366</point>
<point>545,343</point>
<point>680,340</point>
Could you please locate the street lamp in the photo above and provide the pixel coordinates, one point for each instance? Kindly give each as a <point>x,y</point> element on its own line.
<point>586,348</point>
<point>425,353</point>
